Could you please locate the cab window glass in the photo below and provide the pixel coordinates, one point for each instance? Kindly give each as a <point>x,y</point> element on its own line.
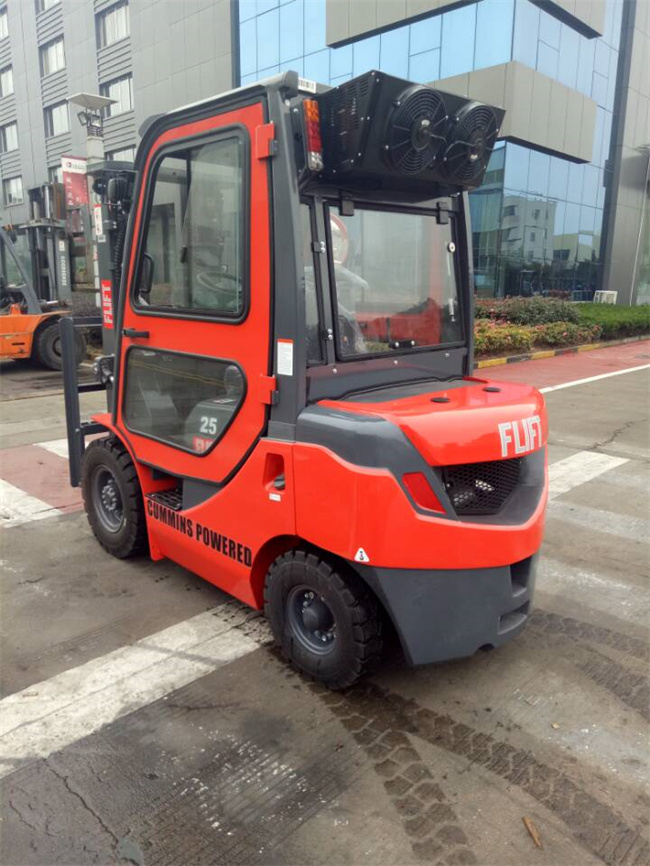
<point>194,245</point>
<point>314,343</point>
<point>181,399</point>
<point>395,281</point>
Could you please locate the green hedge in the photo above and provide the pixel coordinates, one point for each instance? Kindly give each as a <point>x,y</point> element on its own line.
<point>615,321</point>
<point>517,325</point>
<point>526,311</point>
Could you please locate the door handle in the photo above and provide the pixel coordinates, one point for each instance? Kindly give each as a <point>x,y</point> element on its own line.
<point>133,332</point>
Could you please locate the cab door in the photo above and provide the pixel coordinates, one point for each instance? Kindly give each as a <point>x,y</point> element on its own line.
<point>194,351</point>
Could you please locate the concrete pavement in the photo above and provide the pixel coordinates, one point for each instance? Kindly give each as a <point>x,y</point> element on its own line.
<point>145,719</point>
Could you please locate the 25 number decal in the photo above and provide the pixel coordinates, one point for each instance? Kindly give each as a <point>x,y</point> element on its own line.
<point>209,425</point>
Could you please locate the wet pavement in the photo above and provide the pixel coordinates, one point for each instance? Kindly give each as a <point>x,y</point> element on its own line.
<point>146,718</point>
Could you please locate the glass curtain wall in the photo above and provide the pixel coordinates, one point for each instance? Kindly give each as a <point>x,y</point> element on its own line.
<point>537,220</point>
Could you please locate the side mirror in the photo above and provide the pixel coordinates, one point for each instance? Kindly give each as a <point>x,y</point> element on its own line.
<point>146,278</point>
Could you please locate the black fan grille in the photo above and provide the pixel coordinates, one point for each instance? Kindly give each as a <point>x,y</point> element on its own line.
<point>473,138</point>
<point>481,488</point>
<point>416,130</point>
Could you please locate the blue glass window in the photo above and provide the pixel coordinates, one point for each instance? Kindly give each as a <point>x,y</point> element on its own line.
<point>341,61</point>
<point>248,38</point>
<point>247,9</point>
<point>590,185</point>
<point>572,219</point>
<point>549,30</point>
<point>599,90</point>
<point>425,35</point>
<point>547,60</point>
<point>540,164</point>
<point>458,34</point>
<point>425,67</point>
<point>574,187</point>
<point>291,30</point>
<point>526,31</point>
<point>585,65</point>
<point>314,26</point>
<point>317,66</point>
<point>517,165</point>
<point>266,5</point>
<point>494,22</point>
<point>366,55</point>
<point>394,52</point>
<point>587,218</point>
<point>558,178</point>
<point>268,39</point>
<point>567,71</point>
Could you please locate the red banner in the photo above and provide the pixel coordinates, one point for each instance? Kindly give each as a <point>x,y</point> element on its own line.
<point>74,181</point>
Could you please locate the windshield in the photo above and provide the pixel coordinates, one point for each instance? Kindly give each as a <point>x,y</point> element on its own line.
<point>395,282</point>
<point>10,252</point>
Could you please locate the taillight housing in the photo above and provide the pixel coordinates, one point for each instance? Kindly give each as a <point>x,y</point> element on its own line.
<point>313,137</point>
<point>418,486</point>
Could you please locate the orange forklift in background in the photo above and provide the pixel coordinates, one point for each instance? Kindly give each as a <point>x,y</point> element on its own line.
<point>29,326</point>
<point>292,411</point>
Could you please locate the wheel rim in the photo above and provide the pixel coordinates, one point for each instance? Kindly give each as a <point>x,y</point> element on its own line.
<point>311,620</point>
<point>107,499</point>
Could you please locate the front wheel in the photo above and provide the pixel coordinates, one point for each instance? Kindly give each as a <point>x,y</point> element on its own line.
<point>113,498</point>
<point>325,620</point>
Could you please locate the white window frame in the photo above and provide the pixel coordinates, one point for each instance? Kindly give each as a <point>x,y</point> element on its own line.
<point>4,146</point>
<point>55,174</point>
<point>4,23</point>
<point>113,25</point>
<point>48,50</point>
<point>6,73</point>
<point>44,5</point>
<point>119,154</point>
<point>49,113</point>
<point>105,90</point>
<point>6,191</point>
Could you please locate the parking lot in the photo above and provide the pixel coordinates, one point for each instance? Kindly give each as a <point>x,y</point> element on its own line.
<point>147,719</point>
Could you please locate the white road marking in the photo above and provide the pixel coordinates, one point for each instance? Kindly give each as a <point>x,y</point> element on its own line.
<point>593,378</point>
<point>594,589</point>
<point>600,521</point>
<point>50,715</point>
<point>18,507</point>
<point>578,469</point>
<point>55,446</point>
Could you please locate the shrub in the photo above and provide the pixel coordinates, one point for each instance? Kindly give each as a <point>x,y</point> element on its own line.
<point>526,311</point>
<point>616,321</point>
<point>492,338</point>
<point>565,334</point>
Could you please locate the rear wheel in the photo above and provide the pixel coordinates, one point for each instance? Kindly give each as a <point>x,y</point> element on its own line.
<point>325,620</point>
<point>47,346</point>
<point>113,499</point>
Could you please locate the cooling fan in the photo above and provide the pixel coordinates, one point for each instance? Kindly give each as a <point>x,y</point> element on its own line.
<point>472,140</point>
<point>416,130</point>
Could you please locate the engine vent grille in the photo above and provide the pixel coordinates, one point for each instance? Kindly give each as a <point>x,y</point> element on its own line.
<point>481,488</point>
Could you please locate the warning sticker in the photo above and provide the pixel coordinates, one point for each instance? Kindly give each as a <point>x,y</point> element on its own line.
<point>285,357</point>
<point>107,304</point>
<point>361,556</point>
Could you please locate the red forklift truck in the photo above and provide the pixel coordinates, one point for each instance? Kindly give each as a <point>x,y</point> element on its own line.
<point>292,410</point>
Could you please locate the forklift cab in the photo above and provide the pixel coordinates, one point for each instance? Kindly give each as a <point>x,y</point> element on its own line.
<point>292,409</point>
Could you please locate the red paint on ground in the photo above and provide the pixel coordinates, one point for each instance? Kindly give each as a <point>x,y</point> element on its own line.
<point>42,474</point>
<point>568,368</point>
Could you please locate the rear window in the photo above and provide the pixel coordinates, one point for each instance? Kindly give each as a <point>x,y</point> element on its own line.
<point>395,282</point>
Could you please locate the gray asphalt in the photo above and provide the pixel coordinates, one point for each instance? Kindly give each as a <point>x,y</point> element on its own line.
<point>441,764</point>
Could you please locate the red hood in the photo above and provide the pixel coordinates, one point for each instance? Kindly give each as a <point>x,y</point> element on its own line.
<point>475,424</point>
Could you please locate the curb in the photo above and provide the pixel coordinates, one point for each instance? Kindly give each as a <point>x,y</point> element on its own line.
<point>551,353</point>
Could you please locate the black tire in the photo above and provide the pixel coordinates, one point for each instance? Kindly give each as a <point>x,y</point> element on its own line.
<point>339,642</point>
<point>113,498</point>
<point>47,346</point>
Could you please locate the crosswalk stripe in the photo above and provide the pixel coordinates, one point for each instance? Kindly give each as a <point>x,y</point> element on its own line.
<point>578,469</point>
<point>48,716</point>
<point>600,521</point>
<point>590,379</point>
<point>18,507</point>
<point>55,446</point>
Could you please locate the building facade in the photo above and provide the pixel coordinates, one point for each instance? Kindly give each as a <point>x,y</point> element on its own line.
<point>564,204</point>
